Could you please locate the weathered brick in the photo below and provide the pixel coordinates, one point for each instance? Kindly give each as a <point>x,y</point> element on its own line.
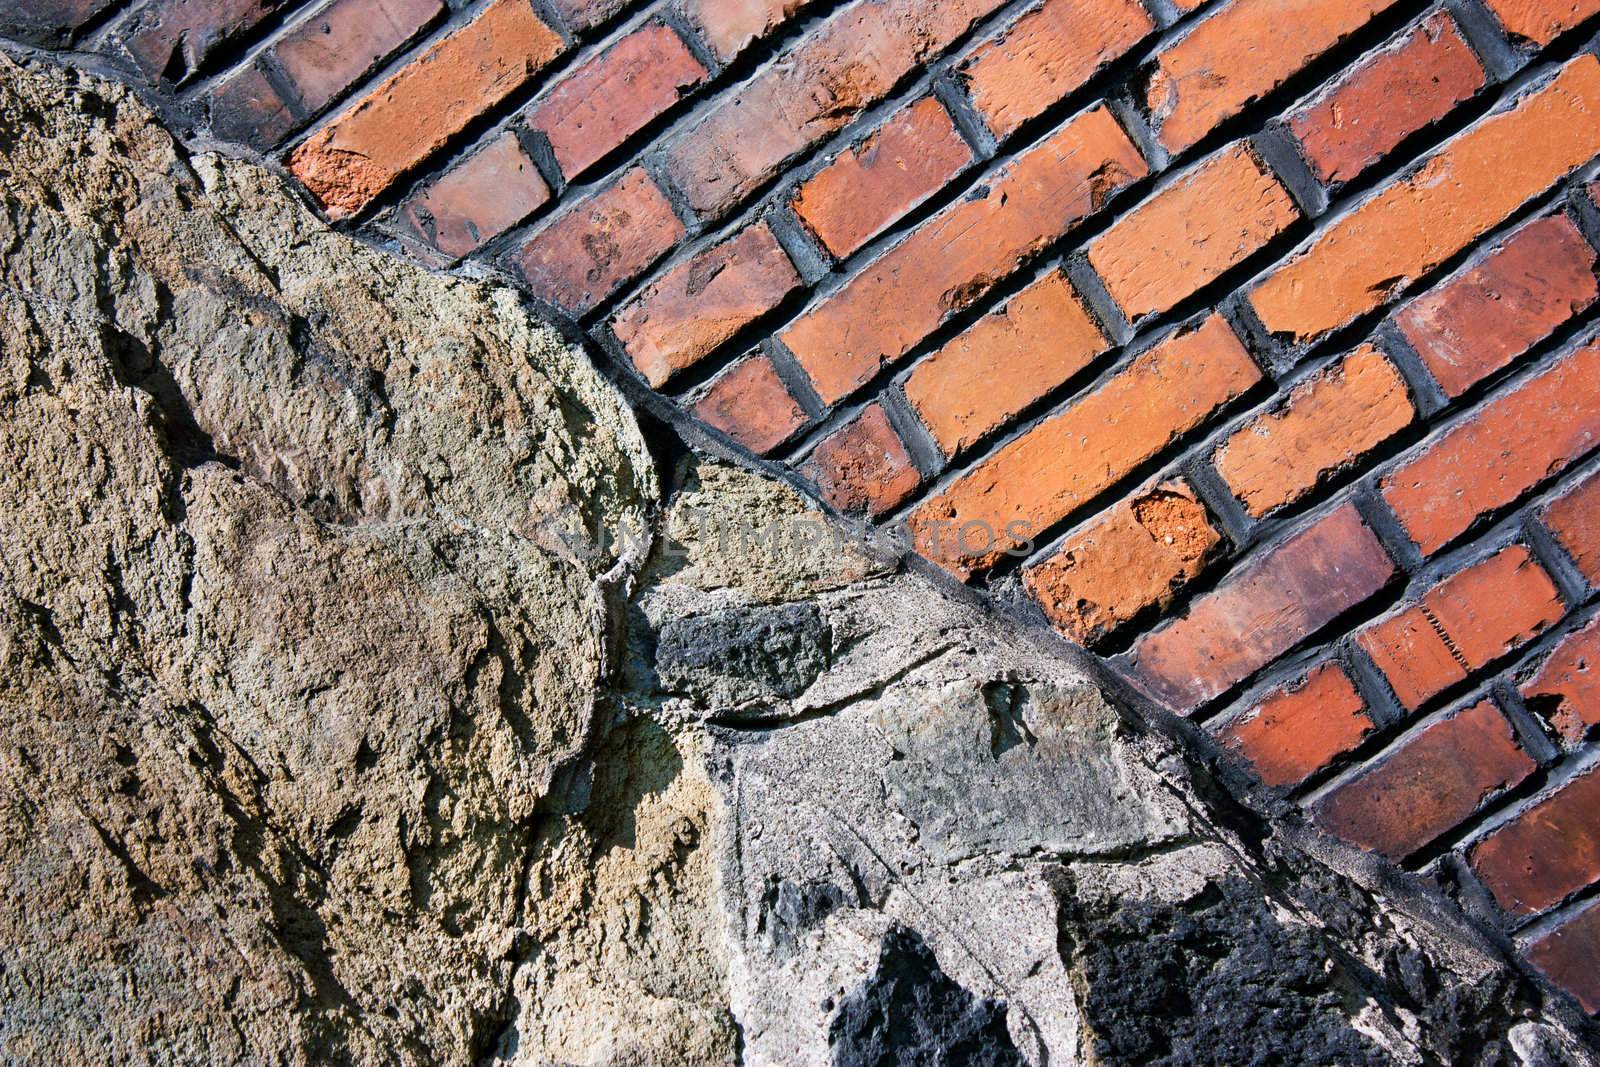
<point>1489,314</point>
<point>1565,690</point>
<point>1264,609</point>
<point>954,257</point>
<point>613,96</point>
<point>247,108</point>
<point>1213,217</point>
<point>750,403</point>
<point>1566,955</point>
<point>1575,521</point>
<point>1412,225</point>
<point>902,163</point>
<point>478,199</point>
<point>1546,852</point>
<point>173,38</point>
<point>1427,784</point>
<point>1301,728</point>
<point>1048,53</point>
<point>1244,50</point>
<point>863,467</point>
<point>1511,445</point>
<point>1539,22</point>
<point>329,52</point>
<point>685,315</point>
<point>1134,557</point>
<point>1328,423</point>
<point>1076,454</point>
<point>1463,624</point>
<point>822,82</point>
<point>399,124</point>
<point>730,26</point>
<point>1407,86</point>
<point>48,23</point>
<point>1003,362</point>
<point>586,253</point>
<point>587,14</point>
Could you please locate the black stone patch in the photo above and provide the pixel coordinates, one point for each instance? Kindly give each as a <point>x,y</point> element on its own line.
<point>745,654</point>
<point>910,1014</point>
<point>789,909</point>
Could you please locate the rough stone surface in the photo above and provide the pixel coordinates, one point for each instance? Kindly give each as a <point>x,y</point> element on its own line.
<point>369,694</point>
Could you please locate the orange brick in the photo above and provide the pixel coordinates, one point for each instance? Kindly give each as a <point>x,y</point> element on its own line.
<point>1487,316</point>
<point>730,26</point>
<point>1545,853</point>
<point>1004,362</point>
<point>1048,53</point>
<point>616,94</point>
<point>685,315</point>
<point>869,186</point>
<point>1539,22</point>
<point>1078,453</point>
<point>1262,610</point>
<point>587,252</point>
<point>1575,521</point>
<point>1300,729</point>
<point>823,82</point>
<point>1328,423</point>
<point>1566,689</point>
<point>1429,783</point>
<point>751,404</point>
<point>1412,225</point>
<point>478,199</point>
<point>954,257</point>
<point>353,159</point>
<point>1566,955</point>
<point>1243,51</point>
<point>1407,86</point>
<point>863,467</point>
<point>327,53</point>
<point>1212,218</point>
<point>1133,557</point>
<point>1511,445</point>
<point>1463,624</point>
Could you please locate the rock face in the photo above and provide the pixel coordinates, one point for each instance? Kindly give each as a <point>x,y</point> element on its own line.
<point>369,696</point>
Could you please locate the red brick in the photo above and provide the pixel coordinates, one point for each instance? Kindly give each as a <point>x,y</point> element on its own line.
<point>1409,85</point>
<point>903,162</point>
<point>1541,21</point>
<point>1463,624</point>
<point>1134,557</point>
<point>587,252</point>
<point>730,26</point>
<point>369,145</point>
<point>1510,445</point>
<point>247,109</point>
<point>864,467</point>
<point>1048,53</point>
<point>1488,315</point>
<point>329,52</point>
<point>1240,53</point>
<point>1575,521</point>
<point>174,38</point>
<point>1426,784</point>
<point>1300,729</point>
<point>1213,217</point>
<point>1566,956</point>
<point>953,258</point>
<point>1003,362</point>
<point>819,85</point>
<point>1545,853</point>
<point>1328,423</point>
<point>751,405</point>
<point>586,14</point>
<point>48,23</point>
<point>613,96</point>
<point>1413,224</point>
<point>478,199</point>
<point>1566,689</point>
<point>686,314</point>
<point>1264,609</point>
<point>1074,455</point>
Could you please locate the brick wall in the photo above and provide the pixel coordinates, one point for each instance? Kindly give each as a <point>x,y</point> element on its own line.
<point>1251,344</point>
